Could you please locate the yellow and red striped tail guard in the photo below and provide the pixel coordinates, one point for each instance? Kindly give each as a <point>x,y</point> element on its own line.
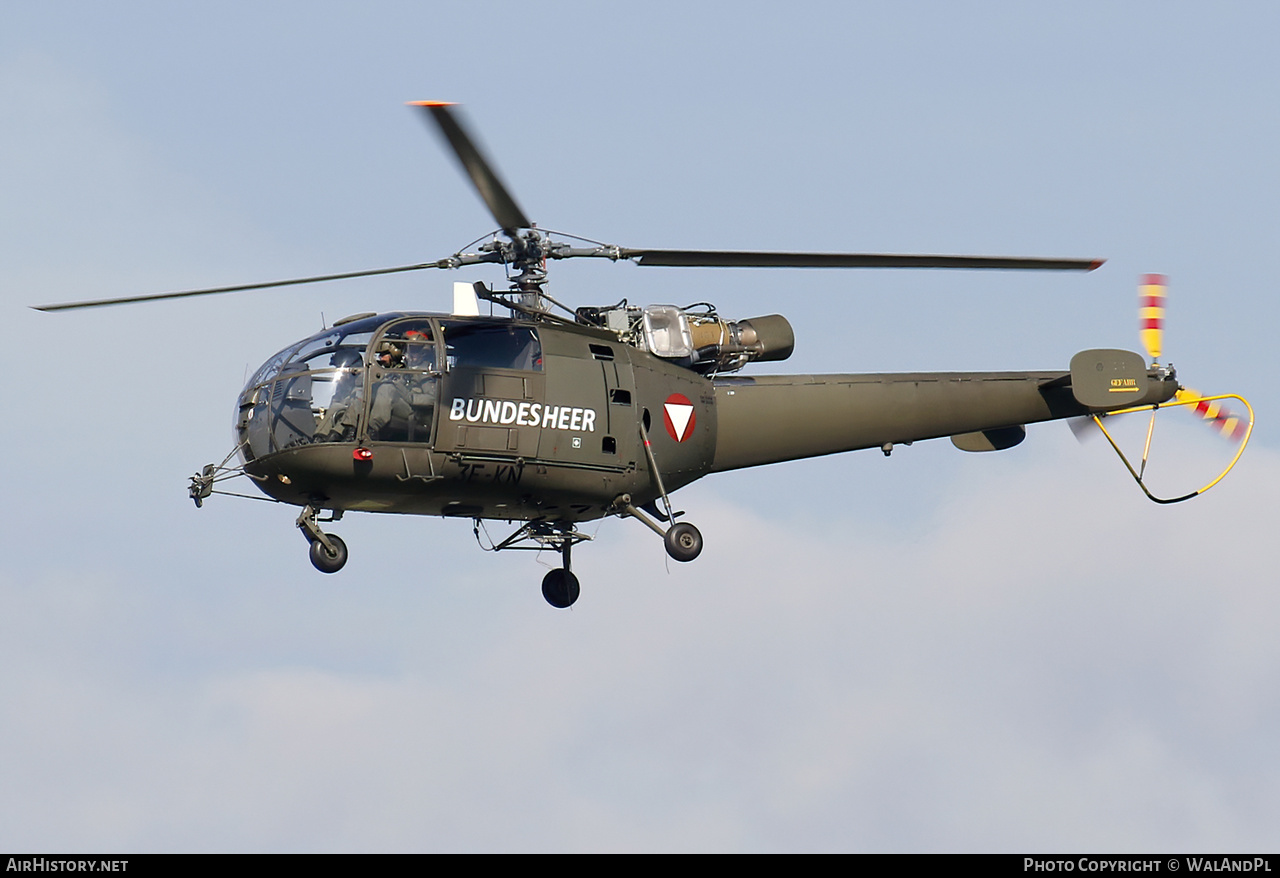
<point>1151,293</point>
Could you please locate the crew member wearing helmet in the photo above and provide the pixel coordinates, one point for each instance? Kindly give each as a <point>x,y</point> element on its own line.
<point>390,410</point>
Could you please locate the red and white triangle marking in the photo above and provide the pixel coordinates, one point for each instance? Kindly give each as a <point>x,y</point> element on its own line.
<point>678,417</point>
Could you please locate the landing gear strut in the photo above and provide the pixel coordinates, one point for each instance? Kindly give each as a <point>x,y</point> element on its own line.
<point>683,540</point>
<point>328,551</point>
<point>560,587</point>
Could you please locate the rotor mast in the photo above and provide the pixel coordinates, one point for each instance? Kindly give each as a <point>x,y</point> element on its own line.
<point>527,248</point>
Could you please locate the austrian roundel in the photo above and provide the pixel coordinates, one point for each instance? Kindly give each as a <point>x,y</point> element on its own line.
<point>678,416</point>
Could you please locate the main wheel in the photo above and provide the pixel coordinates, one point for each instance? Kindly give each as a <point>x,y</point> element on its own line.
<point>560,588</point>
<point>326,561</point>
<point>684,543</point>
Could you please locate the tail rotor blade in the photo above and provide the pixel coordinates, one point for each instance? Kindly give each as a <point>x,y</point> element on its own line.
<point>1151,295</point>
<point>1230,425</point>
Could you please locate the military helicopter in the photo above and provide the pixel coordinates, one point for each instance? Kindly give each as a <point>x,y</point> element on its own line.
<point>547,420</point>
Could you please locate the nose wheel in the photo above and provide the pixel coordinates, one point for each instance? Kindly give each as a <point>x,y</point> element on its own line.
<point>330,558</point>
<point>328,552</point>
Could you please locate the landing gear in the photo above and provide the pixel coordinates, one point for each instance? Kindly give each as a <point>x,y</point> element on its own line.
<point>560,588</point>
<point>683,541</point>
<point>328,551</point>
<point>328,560</point>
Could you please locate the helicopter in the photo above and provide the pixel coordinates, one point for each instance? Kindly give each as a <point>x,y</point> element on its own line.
<point>547,420</point>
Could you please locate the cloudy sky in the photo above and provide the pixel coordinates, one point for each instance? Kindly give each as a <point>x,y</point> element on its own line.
<point>934,652</point>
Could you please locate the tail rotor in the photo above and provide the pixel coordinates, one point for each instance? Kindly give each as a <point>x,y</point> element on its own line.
<point>1152,293</point>
<point>1210,408</point>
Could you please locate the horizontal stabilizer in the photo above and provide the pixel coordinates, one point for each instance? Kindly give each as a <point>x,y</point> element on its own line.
<point>990,440</point>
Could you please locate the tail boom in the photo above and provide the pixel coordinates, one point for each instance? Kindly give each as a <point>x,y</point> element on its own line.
<point>770,419</point>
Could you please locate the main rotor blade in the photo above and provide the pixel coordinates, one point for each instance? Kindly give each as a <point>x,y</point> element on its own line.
<point>125,300</point>
<point>755,259</point>
<point>478,168</point>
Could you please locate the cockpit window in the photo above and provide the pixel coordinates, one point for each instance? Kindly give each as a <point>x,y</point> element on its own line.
<point>268,370</point>
<point>410,330</point>
<point>413,344</point>
<point>331,388</point>
<point>492,346</point>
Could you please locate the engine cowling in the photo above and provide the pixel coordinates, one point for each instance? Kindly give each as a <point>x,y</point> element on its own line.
<point>707,342</point>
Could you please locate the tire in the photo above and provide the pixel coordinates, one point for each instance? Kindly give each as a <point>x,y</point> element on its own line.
<point>560,588</point>
<point>684,542</point>
<point>324,560</point>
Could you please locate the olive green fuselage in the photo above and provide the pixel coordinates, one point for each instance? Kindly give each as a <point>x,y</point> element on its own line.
<point>559,435</point>
<point>560,439</point>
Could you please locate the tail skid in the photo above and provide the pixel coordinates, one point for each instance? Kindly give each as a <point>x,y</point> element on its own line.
<point>1184,398</point>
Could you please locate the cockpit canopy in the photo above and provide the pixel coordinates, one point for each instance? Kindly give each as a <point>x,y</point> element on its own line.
<point>372,378</point>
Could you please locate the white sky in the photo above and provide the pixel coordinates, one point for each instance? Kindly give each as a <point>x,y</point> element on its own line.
<point>939,652</point>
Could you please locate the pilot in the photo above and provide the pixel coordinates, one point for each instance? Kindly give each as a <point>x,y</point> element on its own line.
<point>391,399</point>
<point>339,421</point>
<point>422,353</point>
<point>390,355</point>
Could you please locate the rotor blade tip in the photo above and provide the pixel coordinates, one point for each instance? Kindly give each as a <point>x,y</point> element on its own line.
<point>431,104</point>
<point>1096,264</point>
